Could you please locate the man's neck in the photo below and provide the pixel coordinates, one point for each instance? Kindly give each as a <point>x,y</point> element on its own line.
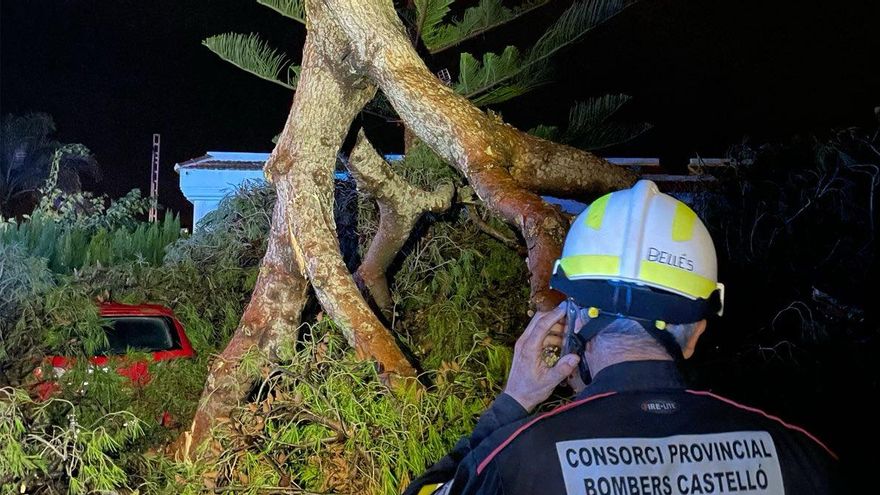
<point>597,361</point>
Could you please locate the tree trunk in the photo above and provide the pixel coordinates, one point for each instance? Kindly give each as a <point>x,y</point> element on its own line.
<point>328,97</point>
<point>272,315</point>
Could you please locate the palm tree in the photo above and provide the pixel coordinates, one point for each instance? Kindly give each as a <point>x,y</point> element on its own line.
<point>26,151</point>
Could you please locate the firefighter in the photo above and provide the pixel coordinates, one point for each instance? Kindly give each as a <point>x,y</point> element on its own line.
<point>640,273</point>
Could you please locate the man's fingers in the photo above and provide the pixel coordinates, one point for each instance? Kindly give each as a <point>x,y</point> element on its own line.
<point>542,326</point>
<point>552,340</point>
<point>564,367</point>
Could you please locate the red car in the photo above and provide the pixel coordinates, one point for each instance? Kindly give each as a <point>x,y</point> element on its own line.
<point>139,327</point>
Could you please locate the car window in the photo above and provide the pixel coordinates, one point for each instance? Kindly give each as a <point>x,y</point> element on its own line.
<point>140,333</point>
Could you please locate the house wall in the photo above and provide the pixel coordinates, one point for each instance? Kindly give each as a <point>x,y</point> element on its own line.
<point>204,188</point>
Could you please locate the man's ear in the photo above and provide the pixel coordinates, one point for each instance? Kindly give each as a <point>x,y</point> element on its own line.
<point>690,346</point>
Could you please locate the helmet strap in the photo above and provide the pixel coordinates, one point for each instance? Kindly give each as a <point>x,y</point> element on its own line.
<point>583,335</point>
<point>596,324</point>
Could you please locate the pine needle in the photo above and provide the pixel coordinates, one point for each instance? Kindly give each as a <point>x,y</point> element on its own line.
<point>251,54</point>
<point>293,9</point>
<point>430,15</point>
<point>589,126</point>
<point>474,77</point>
<point>483,17</point>
<point>571,26</point>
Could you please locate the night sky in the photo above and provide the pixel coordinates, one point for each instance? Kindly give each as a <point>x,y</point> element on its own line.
<point>706,74</point>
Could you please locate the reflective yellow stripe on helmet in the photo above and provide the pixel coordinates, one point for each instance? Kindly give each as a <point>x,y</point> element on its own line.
<point>597,212</point>
<point>683,223</point>
<point>590,264</point>
<point>676,278</point>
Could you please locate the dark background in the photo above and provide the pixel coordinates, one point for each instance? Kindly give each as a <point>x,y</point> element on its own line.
<point>706,74</point>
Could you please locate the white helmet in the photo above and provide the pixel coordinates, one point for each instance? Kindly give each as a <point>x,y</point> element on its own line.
<point>641,254</point>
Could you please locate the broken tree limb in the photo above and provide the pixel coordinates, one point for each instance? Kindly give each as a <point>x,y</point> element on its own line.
<point>400,207</point>
<point>328,97</point>
<point>507,168</point>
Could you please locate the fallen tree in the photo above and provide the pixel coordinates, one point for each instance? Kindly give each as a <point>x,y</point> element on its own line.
<point>352,48</point>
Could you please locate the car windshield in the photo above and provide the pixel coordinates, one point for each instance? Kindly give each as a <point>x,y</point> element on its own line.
<point>139,333</point>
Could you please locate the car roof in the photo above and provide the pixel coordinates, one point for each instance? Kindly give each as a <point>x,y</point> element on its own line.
<point>120,309</point>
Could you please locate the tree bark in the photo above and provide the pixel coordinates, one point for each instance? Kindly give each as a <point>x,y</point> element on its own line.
<point>328,97</point>
<point>507,168</point>
<point>400,207</point>
<point>272,315</point>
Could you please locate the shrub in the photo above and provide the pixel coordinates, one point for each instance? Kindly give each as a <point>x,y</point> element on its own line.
<point>47,447</point>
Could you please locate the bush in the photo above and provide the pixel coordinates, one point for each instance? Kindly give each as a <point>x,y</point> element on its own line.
<point>323,421</point>
<point>47,447</point>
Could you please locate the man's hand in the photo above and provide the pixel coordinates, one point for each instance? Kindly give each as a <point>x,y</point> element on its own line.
<point>531,380</point>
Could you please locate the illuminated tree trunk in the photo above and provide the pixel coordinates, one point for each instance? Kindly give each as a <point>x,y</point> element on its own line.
<point>328,97</point>
<point>272,315</point>
<point>400,206</point>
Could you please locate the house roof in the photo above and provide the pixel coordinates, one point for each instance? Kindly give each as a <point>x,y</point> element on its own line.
<point>228,160</point>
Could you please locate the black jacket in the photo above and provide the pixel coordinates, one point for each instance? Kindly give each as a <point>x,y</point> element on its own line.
<point>636,430</point>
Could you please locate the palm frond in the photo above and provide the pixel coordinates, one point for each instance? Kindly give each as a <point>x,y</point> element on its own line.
<point>430,14</point>
<point>294,9</point>
<point>589,126</point>
<point>251,54</point>
<point>610,134</point>
<point>572,25</point>
<point>542,131</point>
<point>585,115</point>
<point>486,15</point>
<point>474,77</point>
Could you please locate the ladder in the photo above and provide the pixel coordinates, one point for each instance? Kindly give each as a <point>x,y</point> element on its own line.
<point>154,181</point>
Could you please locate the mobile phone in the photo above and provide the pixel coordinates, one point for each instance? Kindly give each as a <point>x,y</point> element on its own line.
<point>570,343</point>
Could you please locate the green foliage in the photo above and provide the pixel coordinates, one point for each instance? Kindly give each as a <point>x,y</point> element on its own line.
<point>429,15</point>
<point>289,434</point>
<point>533,69</point>
<point>56,314</point>
<point>64,153</point>
<point>28,156</point>
<point>22,277</point>
<point>293,9</point>
<point>448,288</point>
<point>493,79</point>
<point>46,317</point>
<point>571,26</point>
<point>424,168</point>
<point>325,423</point>
<point>590,127</point>
<point>476,20</point>
<point>448,278</point>
<point>68,244</point>
<point>233,234</point>
<point>40,451</point>
<point>473,76</point>
<point>252,54</point>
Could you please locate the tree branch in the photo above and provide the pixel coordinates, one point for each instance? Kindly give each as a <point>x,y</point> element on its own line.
<point>507,168</point>
<point>400,206</point>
